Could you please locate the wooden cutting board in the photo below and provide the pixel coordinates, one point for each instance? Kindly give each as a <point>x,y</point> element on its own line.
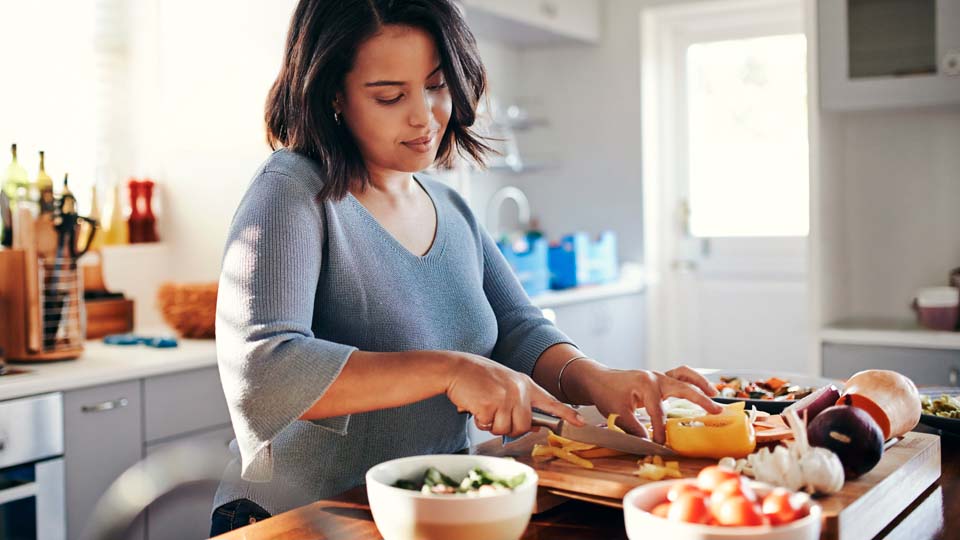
<point>861,510</point>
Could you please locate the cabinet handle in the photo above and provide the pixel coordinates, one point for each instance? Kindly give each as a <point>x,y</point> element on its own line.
<point>105,406</point>
<point>954,375</point>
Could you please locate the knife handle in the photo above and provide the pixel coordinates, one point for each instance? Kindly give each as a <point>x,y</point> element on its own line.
<point>541,419</point>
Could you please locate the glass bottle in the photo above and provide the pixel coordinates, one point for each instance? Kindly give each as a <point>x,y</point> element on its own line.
<point>115,229</point>
<point>44,188</point>
<point>16,181</point>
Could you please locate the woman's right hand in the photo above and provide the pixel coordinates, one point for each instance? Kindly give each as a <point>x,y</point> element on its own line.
<point>501,399</point>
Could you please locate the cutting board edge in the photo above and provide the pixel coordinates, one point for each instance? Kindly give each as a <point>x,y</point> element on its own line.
<point>920,472</point>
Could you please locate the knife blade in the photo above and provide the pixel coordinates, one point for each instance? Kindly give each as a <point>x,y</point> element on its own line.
<point>601,436</point>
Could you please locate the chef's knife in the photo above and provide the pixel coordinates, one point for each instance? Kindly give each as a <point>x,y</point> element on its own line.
<point>599,436</point>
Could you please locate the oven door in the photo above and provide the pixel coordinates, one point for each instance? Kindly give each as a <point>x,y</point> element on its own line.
<point>32,501</point>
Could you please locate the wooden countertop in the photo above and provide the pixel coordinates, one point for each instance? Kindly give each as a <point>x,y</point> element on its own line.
<point>936,515</point>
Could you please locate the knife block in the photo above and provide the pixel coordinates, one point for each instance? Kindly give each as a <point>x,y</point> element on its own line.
<point>41,307</point>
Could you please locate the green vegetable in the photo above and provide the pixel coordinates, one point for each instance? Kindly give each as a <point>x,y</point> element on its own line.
<point>474,480</point>
<point>944,406</point>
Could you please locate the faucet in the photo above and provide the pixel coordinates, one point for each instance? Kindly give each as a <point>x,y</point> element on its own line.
<point>496,203</point>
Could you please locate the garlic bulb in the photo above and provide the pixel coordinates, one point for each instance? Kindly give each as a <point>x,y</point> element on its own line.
<point>795,466</point>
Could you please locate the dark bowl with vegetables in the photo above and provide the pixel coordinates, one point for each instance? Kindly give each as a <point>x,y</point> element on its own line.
<point>941,408</point>
<point>451,496</point>
<point>768,391</point>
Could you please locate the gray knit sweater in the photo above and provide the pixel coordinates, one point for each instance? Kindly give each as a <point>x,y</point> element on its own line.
<point>303,285</point>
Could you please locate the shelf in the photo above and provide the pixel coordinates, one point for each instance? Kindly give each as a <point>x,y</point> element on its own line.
<point>631,282</point>
<point>888,333</point>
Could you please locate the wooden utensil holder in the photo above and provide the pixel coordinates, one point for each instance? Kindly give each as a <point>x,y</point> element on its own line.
<point>41,307</point>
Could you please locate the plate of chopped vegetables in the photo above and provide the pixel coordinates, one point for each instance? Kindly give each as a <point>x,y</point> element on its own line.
<point>941,408</point>
<point>768,391</point>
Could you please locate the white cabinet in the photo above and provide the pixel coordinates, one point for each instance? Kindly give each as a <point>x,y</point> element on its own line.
<point>102,438</point>
<point>535,22</point>
<point>888,54</point>
<point>185,512</point>
<point>926,367</point>
<point>109,428</point>
<point>610,330</point>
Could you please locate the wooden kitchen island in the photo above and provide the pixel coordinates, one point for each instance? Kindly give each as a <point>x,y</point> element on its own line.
<point>935,515</point>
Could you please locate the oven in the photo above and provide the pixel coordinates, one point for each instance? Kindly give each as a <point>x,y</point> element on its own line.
<point>31,469</point>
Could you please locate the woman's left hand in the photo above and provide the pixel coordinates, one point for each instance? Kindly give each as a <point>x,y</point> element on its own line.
<point>623,392</point>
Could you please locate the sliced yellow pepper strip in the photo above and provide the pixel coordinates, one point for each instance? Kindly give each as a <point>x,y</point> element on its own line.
<point>713,436</point>
<point>567,444</point>
<point>612,422</point>
<point>540,450</point>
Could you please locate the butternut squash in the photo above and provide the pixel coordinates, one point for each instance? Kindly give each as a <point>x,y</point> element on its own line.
<point>890,398</point>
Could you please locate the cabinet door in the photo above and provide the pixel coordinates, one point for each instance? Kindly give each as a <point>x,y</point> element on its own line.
<point>889,54</point>
<point>180,403</point>
<point>184,513</point>
<point>926,367</point>
<point>535,22</point>
<point>102,438</point>
<point>624,341</point>
<point>610,330</point>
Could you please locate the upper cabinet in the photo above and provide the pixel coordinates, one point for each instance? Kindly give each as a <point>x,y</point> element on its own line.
<point>528,23</point>
<point>878,54</point>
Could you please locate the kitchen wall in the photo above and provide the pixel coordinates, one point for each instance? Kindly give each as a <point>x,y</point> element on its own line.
<point>199,74</point>
<point>892,180</point>
<point>591,96</point>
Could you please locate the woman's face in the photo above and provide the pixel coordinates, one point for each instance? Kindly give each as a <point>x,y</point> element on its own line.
<point>395,101</point>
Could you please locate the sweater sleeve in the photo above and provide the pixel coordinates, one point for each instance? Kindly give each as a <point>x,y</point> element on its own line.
<point>272,367</point>
<point>523,332</point>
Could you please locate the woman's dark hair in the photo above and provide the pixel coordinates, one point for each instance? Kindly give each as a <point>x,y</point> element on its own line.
<point>320,50</point>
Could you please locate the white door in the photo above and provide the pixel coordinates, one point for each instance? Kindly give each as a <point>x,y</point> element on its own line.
<point>727,185</point>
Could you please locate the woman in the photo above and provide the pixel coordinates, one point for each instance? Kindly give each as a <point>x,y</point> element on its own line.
<point>364,314</point>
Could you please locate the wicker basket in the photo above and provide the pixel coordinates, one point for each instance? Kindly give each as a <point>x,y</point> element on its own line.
<point>190,309</point>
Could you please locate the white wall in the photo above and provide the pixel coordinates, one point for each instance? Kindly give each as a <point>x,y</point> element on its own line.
<point>199,76</point>
<point>896,216</point>
<point>591,95</point>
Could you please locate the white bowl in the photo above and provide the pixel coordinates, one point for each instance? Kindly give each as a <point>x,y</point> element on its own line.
<point>403,514</point>
<point>641,524</point>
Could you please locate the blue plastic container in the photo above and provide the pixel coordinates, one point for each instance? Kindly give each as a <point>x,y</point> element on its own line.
<point>577,260</point>
<point>528,258</point>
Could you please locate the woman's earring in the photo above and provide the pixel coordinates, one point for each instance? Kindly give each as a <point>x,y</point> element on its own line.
<point>336,117</point>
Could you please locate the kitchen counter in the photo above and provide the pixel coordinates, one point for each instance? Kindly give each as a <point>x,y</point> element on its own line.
<point>890,333</point>
<point>104,364</point>
<point>936,515</point>
<point>631,281</point>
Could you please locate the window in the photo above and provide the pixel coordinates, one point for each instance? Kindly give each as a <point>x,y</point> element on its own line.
<point>61,79</point>
<point>747,137</point>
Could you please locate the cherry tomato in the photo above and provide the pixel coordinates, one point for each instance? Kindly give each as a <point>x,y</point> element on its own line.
<point>681,488</point>
<point>661,510</point>
<point>735,487</point>
<point>737,511</point>
<point>781,507</point>
<point>712,476</point>
<point>689,507</point>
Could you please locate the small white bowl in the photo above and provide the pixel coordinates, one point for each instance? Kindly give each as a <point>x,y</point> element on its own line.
<point>642,525</point>
<point>403,514</point>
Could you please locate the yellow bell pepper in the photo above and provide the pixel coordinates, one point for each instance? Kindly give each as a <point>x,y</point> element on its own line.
<point>728,434</point>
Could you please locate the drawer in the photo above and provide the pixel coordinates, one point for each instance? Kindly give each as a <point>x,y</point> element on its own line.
<point>182,403</point>
<point>926,367</point>
<point>31,429</point>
